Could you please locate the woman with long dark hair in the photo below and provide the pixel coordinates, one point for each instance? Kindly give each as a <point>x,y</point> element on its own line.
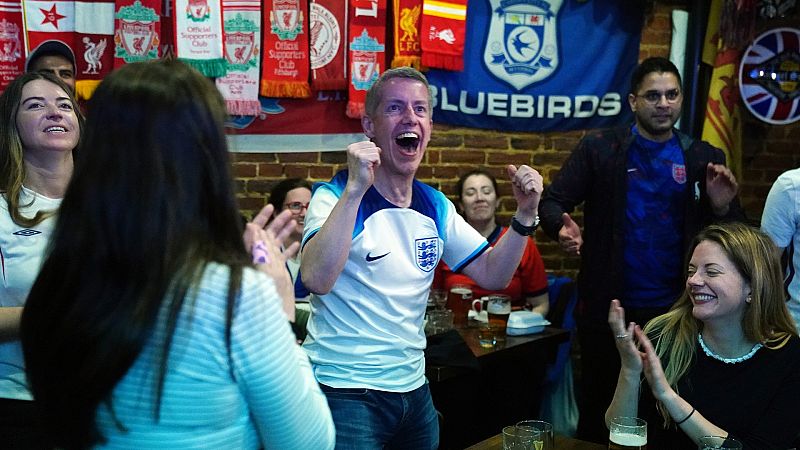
<point>153,323</point>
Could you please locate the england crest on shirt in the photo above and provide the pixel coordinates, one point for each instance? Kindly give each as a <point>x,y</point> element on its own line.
<point>521,46</point>
<point>427,253</point>
<point>679,173</point>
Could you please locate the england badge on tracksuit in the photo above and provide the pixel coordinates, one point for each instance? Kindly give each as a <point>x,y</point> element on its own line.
<point>521,46</point>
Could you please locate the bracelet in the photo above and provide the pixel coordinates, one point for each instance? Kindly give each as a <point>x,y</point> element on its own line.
<point>522,229</point>
<point>685,418</point>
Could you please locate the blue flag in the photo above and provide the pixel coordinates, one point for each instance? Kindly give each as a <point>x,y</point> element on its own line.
<point>536,65</point>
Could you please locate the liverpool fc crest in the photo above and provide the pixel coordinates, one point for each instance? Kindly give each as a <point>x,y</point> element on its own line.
<point>521,47</point>
<point>286,19</point>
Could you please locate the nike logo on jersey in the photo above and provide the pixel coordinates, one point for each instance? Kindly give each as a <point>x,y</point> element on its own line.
<point>371,258</point>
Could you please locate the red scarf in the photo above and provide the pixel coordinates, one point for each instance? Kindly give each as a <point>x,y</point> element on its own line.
<point>326,36</point>
<point>284,62</point>
<point>12,51</point>
<point>49,20</point>
<point>367,50</point>
<point>94,44</point>
<point>136,31</point>
<point>407,50</point>
<point>443,32</point>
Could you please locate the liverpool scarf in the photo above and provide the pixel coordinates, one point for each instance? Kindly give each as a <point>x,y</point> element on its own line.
<point>49,20</point>
<point>241,30</point>
<point>94,31</point>
<point>198,35</point>
<point>328,58</point>
<point>12,53</point>
<point>136,31</point>
<point>443,31</point>
<point>367,50</point>
<point>285,65</point>
<point>407,50</point>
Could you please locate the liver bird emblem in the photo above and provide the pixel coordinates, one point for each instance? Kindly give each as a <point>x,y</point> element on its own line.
<point>93,55</point>
<point>408,23</point>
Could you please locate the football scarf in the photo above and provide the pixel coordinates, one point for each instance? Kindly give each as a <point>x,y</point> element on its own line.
<point>443,31</point>
<point>94,41</point>
<point>327,22</point>
<point>366,50</point>
<point>407,50</point>
<point>137,28</point>
<point>285,65</point>
<point>12,52</point>
<point>49,20</point>
<point>198,35</point>
<point>241,30</point>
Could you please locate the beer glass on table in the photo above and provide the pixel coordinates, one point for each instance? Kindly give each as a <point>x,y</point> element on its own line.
<point>460,301</point>
<point>718,442</point>
<point>499,308</point>
<point>627,433</point>
<point>439,298</point>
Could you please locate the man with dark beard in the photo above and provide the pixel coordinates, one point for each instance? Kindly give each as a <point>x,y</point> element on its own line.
<point>646,190</point>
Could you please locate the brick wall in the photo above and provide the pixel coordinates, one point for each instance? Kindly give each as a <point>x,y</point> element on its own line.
<point>768,151</point>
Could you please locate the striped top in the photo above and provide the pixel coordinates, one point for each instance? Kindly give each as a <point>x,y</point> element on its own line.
<point>272,400</point>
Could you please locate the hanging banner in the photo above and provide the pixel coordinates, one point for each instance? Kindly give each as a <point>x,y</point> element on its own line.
<point>283,125</point>
<point>12,50</point>
<point>536,65</point>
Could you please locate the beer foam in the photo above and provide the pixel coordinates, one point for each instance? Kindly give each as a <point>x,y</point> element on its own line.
<point>631,440</point>
<point>461,291</point>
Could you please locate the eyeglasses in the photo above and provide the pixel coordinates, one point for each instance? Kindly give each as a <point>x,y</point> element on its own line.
<point>296,207</point>
<point>653,97</point>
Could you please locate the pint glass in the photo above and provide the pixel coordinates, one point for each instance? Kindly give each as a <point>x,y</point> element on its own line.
<point>459,300</point>
<point>627,433</point>
<point>499,308</point>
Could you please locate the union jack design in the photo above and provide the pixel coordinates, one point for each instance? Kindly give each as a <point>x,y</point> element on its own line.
<point>769,76</point>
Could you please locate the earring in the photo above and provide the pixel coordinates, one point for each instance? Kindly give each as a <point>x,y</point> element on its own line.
<point>749,298</point>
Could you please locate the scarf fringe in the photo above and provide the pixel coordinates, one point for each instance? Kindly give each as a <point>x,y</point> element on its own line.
<point>355,110</point>
<point>407,61</point>
<point>243,107</point>
<point>84,89</point>
<point>292,89</point>
<point>213,68</point>
<point>442,61</point>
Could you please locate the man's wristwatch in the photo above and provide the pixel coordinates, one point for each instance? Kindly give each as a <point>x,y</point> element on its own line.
<point>522,229</point>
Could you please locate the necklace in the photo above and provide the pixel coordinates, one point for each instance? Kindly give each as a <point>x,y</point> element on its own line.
<point>711,354</point>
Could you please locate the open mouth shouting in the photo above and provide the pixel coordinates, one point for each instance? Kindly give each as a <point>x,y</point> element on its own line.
<point>408,141</point>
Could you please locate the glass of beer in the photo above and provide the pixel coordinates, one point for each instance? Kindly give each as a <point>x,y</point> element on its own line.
<point>627,433</point>
<point>718,442</point>
<point>498,308</point>
<point>459,300</point>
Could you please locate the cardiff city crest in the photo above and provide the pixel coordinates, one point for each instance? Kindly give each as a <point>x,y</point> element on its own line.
<point>521,46</point>
<point>365,67</point>
<point>286,19</point>
<point>135,38</point>
<point>427,252</point>
<point>241,49</point>
<point>9,42</point>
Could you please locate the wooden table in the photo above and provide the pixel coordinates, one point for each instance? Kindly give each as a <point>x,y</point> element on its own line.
<point>561,443</point>
<point>502,387</point>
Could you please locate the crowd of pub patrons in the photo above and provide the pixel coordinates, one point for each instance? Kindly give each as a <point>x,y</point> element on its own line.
<point>137,311</point>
